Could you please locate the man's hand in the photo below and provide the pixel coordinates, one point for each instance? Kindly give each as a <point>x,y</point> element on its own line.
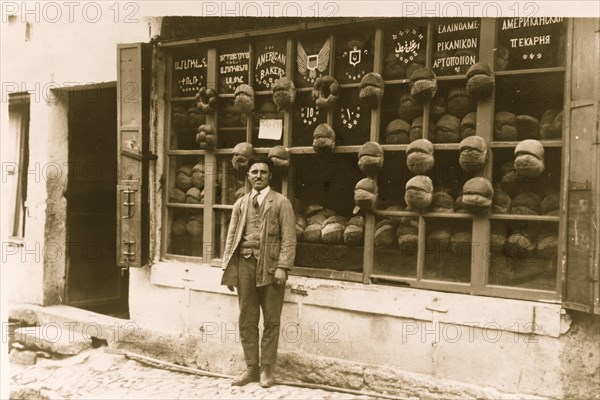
<point>231,288</point>
<point>280,276</point>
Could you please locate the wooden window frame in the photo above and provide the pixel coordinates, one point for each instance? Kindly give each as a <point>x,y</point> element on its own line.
<point>19,103</point>
<point>480,267</point>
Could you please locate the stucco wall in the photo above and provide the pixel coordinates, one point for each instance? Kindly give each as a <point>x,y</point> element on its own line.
<point>50,57</point>
<point>480,341</point>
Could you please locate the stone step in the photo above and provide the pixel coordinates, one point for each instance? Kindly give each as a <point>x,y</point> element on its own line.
<point>53,338</point>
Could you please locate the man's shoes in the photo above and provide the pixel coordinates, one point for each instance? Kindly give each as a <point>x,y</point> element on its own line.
<point>251,374</point>
<point>266,376</point>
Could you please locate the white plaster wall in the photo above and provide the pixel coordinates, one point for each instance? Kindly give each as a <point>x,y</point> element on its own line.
<point>354,322</point>
<point>46,57</point>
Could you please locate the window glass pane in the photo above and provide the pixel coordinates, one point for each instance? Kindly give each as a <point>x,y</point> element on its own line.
<point>222,219</point>
<point>529,106</point>
<point>448,109</point>
<point>324,190</point>
<point>530,190</point>
<point>398,111</point>
<point>351,119</point>
<point>306,118</point>
<point>448,247</point>
<point>312,59</point>
<point>234,63</point>
<point>185,234</point>
<point>230,184</point>
<point>189,71</point>
<point>186,183</point>
<point>185,120</point>
<point>272,120</point>
<point>269,63</point>
<point>404,48</point>
<point>354,55</point>
<point>455,45</point>
<point>524,254</point>
<point>525,43</point>
<point>231,124</point>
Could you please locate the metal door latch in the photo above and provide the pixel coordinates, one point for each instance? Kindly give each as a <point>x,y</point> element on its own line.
<point>129,203</point>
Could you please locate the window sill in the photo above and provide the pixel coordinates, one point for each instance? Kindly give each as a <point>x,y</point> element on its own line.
<point>408,303</point>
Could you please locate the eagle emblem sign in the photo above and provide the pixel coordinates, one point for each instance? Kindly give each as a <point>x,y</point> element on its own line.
<point>313,62</point>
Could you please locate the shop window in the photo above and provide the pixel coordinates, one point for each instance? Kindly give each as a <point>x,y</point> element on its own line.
<point>509,249</point>
<point>15,165</point>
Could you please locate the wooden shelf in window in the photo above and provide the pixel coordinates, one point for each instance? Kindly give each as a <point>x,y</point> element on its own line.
<point>448,215</point>
<point>310,150</point>
<point>436,146</point>
<point>451,77</point>
<point>396,81</point>
<point>446,146</point>
<point>186,152</point>
<point>520,217</point>
<point>545,143</point>
<point>185,205</point>
<point>385,213</point>
<point>394,147</point>
<point>223,206</point>
<point>232,129</point>
<point>327,274</point>
<point>550,70</point>
<point>179,99</point>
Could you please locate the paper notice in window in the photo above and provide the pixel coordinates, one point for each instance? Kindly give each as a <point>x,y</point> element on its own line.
<point>271,129</point>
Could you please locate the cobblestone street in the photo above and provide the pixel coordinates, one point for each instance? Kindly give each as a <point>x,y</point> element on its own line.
<point>101,374</point>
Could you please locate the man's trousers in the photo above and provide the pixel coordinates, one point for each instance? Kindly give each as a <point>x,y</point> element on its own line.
<point>252,299</point>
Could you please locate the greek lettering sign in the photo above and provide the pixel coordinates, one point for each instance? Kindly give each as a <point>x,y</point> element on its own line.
<point>354,57</point>
<point>531,42</point>
<point>233,68</point>
<point>270,64</point>
<point>189,72</point>
<point>455,46</point>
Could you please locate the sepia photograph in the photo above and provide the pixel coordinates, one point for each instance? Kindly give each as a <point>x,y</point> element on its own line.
<point>300,200</point>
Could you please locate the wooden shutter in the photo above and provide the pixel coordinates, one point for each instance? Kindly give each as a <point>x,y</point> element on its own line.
<point>133,102</point>
<point>580,263</point>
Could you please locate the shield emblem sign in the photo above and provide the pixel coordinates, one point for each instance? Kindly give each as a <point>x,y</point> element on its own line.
<point>354,58</point>
<point>312,62</point>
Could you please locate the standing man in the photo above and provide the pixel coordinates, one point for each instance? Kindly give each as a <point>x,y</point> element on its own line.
<point>259,252</point>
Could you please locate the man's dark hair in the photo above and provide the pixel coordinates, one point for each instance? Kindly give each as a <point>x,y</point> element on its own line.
<point>261,158</point>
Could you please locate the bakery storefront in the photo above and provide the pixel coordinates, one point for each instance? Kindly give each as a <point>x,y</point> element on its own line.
<point>436,168</point>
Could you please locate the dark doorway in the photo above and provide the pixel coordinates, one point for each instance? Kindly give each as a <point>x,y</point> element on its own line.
<point>94,281</point>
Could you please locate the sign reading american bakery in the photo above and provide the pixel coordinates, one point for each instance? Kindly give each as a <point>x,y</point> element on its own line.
<point>532,42</point>
<point>270,64</point>
<point>189,72</point>
<point>455,46</point>
<point>234,65</point>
